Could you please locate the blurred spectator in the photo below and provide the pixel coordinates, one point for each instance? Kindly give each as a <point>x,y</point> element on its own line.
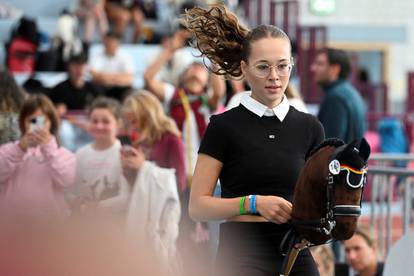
<point>159,136</point>
<point>92,13</point>
<point>22,47</point>
<point>121,12</point>
<point>190,104</point>
<point>361,253</point>
<point>342,111</point>
<point>181,58</point>
<point>75,93</point>
<point>324,259</point>
<point>99,179</point>
<point>112,69</point>
<point>35,171</point>
<point>154,210</point>
<point>11,100</point>
<point>71,98</point>
<point>66,41</point>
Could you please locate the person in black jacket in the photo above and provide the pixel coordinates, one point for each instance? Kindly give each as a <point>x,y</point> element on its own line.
<point>75,93</point>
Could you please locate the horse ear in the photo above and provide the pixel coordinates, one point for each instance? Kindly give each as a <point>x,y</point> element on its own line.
<point>364,149</point>
<point>351,146</point>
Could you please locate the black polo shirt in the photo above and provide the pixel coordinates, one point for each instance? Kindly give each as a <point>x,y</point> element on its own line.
<point>261,155</point>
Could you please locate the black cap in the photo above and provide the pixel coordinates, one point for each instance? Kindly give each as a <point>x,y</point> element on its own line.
<point>78,58</point>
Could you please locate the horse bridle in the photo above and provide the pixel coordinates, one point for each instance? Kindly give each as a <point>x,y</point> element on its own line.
<point>326,224</point>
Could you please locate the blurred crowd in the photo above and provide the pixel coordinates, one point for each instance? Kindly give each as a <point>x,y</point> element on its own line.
<point>97,165</point>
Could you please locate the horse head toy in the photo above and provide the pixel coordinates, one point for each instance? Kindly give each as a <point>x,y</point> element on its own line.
<point>327,196</point>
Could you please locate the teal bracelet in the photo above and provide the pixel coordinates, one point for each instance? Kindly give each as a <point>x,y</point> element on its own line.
<point>242,210</point>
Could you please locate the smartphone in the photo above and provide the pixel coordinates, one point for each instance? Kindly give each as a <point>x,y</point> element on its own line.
<point>125,140</point>
<point>37,123</point>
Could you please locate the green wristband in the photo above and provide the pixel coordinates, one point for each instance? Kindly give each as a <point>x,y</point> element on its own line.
<point>242,210</point>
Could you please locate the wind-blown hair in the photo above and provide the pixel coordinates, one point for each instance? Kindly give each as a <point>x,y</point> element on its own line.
<point>220,37</point>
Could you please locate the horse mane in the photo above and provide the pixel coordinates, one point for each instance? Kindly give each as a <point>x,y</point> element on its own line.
<point>336,142</point>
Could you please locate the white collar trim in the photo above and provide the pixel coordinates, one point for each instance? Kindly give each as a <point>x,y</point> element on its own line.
<point>261,110</point>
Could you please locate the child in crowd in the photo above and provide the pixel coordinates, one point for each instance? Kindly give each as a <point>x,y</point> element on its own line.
<point>99,179</point>
<point>159,137</point>
<point>155,167</point>
<point>35,170</point>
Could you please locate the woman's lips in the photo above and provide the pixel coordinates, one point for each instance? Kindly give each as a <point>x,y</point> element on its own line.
<point>273,87</point>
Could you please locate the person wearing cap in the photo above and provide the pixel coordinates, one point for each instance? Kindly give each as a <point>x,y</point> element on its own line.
<point>72,97</point>
<point>74,93</point>
<point>112,69</point>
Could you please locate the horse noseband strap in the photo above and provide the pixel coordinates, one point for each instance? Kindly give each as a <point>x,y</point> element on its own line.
<point>347,210</point>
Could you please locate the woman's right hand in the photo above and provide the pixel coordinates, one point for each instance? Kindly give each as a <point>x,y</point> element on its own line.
<point>274,209</point>
<point>28,140</point>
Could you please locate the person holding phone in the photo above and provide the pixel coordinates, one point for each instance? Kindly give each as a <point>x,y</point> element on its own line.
<point>100,184</point>
<point>159,138</point>
<point>36,170</point>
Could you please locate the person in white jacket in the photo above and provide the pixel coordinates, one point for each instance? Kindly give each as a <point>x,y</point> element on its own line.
<point>154,213</point>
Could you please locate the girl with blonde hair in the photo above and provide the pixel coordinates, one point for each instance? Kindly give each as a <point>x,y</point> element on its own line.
<point>159,137</point>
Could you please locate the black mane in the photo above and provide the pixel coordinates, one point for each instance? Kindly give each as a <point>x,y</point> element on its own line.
<point>327,142</point>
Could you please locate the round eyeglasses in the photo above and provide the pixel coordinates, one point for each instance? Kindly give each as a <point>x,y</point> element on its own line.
<point>262,70</point>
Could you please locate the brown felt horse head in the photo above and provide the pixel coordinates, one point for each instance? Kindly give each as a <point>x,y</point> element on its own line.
<point>327,196</point>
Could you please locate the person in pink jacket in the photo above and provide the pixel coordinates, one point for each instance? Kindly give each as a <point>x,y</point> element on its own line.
<point>35,171</point>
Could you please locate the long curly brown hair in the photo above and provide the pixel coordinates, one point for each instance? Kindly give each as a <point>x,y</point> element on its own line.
<point>219,36</point>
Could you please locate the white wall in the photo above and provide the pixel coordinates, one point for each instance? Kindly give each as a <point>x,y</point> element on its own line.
<point>375,15</point>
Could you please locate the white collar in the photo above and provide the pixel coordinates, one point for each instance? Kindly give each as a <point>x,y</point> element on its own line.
<point>261,110</point>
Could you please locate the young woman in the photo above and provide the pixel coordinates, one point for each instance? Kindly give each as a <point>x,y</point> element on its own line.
<point>100,178</point>
<point>35,171</point>
<point>159,137</point>
<point>256,149</point>
<point>154,209</point>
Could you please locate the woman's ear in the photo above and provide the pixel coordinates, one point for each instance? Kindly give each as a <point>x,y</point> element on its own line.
<point>243,67</point>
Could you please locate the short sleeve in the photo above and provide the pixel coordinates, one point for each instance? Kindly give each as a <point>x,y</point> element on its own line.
<point>215,141</point>
<point>95,62</point>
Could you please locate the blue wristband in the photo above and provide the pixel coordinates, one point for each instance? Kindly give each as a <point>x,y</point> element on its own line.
<point>252,204</point>
<point>254,209</point>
